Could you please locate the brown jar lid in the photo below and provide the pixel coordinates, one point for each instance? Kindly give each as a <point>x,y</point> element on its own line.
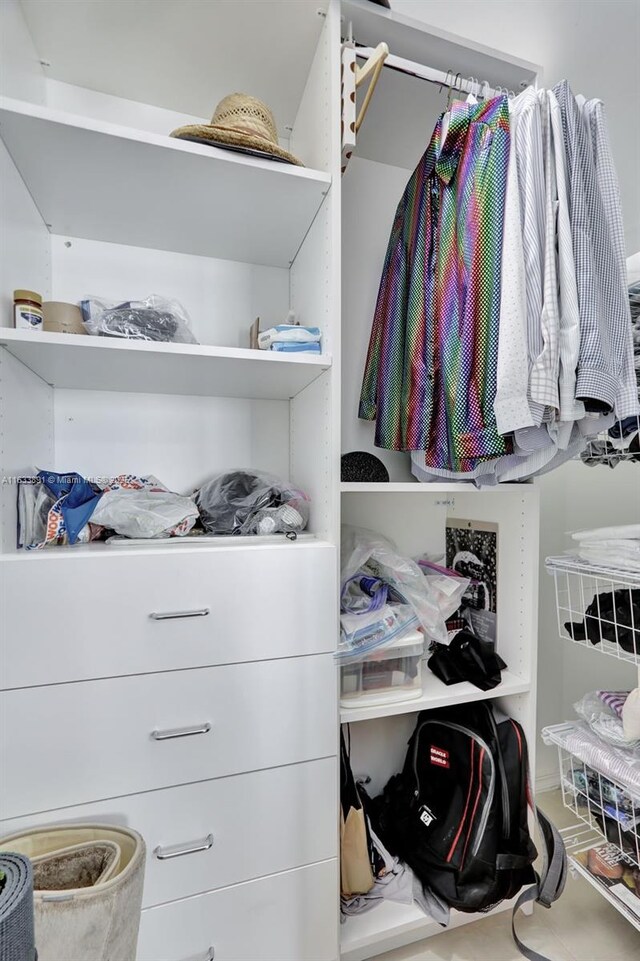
<point>27,295</point>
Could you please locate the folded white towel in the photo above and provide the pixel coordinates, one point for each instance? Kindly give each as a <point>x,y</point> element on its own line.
<point>623,531</point>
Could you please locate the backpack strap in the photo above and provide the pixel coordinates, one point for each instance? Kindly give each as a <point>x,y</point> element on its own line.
<point>550,884</point>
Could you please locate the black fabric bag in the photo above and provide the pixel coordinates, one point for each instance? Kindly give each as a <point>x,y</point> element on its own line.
<point>458,812</point>
<point>467,658</point>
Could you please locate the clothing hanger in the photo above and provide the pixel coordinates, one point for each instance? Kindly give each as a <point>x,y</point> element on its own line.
<point>446,116</point>
<point>486,89</point>
<point>453,86</point>
<point>372,68</point>
<point>471,98</point>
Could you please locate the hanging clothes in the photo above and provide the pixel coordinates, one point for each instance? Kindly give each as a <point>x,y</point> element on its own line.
<point>430,375</point>
<point>603,304</point>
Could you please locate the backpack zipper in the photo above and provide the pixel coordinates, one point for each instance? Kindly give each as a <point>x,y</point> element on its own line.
<point>469,733</point>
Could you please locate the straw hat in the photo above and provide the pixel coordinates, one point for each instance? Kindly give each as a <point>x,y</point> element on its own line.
<point>243,123</point>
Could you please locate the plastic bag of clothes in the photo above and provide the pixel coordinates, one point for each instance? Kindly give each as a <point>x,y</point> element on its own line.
<point>251,502</point>
<point>154,318</point>
<point>405,600</point>
<point>143,507</point>
<point>57,509</point>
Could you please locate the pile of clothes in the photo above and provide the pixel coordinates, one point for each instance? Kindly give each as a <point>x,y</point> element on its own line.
<point>617,547</point>
<point>56,509</point>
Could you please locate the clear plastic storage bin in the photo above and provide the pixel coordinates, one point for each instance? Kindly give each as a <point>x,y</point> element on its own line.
<point>385,675</point>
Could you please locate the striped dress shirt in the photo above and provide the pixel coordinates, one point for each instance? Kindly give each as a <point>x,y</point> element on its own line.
<point>570,408</point>
<point>626,402</point>
<point>602,299</point>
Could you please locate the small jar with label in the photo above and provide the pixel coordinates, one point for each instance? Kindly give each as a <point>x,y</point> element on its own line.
<point>27,310</point>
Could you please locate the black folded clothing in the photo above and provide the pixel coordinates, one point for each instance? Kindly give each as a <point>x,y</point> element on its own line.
<point>609,617</point>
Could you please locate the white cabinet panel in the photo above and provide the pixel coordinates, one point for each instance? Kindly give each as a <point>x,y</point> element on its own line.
<point>71,743</point>
<point>93,615</point>
<point>287,917</point>
<point>260,823</point>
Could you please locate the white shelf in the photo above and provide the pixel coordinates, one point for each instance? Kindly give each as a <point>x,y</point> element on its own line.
<point>410,487</point>
<point>182,545</point>
<point>415,487</point>
<point>105,363</point>
<point>390,925</point>
<point>437,694</point>
<point>102,181</point>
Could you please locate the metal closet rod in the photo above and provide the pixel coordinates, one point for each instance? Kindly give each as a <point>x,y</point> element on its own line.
<point>431,75</point>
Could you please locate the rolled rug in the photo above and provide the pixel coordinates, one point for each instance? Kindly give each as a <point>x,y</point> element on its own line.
<point>17,939</point>
<point>87,890</point>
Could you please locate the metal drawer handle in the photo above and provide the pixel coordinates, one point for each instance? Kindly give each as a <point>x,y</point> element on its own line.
<point>177,850</point>
<point>173,615</point>
<point>180,732</point>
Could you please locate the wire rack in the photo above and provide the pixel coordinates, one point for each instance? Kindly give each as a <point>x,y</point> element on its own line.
<point>606,804</point>
<point>598,607</point>
<point>620,443</point>
<point>607,808</point>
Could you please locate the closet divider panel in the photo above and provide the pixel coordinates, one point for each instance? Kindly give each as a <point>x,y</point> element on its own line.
<point>22,73</point>
<point>26,437</point>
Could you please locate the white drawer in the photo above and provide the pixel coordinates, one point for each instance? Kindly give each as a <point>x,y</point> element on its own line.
<point>287,917</point>
<point>67,618</point>
<point>71,743</point>
<point>249,825</point>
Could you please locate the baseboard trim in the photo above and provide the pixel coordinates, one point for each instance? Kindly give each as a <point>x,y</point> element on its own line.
<point>547,782</point>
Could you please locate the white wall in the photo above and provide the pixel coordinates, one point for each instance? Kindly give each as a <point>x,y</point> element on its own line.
<point>593,44</point>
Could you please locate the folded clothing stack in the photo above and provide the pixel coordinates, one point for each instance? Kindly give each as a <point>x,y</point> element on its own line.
<point>617,547</point>
<point>290,339</point>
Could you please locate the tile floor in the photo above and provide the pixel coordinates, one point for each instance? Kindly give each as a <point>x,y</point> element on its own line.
<point>581,926</point>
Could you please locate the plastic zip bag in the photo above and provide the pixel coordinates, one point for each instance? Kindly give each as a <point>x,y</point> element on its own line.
<point>365,551</point>
<point>155,319</point>
<point>251,502</point>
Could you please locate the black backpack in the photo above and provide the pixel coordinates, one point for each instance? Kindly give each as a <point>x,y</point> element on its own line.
<point>458,813</point>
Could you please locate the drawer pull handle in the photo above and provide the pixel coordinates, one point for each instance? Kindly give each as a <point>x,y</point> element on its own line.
<point>174,615</point>
<point>177,850</point>
<point>180,732</point>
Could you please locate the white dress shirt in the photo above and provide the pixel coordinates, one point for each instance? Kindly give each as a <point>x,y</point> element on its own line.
<point>570,408</point>
<point>511,405</point>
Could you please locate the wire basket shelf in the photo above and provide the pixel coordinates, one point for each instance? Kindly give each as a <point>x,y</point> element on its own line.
<point>598,607</point>
<point>621,443</point>
<point>604,803</point>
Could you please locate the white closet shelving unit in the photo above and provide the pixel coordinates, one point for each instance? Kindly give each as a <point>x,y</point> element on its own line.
<point>98,200</point>
<point>602,791</point>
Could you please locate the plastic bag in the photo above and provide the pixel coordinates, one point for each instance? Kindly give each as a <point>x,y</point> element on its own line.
<point>250,502</point>
<point>35,501</point>
<point>154,318</point>
<point>143,507</point>
<point>603,720</point>
<point>362,633</point>
<point>365,551</point>
<point>55,508</point>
